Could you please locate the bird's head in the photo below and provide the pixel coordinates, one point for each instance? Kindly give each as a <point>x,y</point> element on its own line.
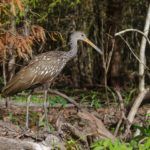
<point>81,36</point>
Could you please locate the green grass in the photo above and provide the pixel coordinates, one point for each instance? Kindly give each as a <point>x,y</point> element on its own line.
<point>117,145</point>
<point>140,142</point>
<point>57,100</point>
<point>93,98</point>
<point>34,99</point>
<point>53,100</point>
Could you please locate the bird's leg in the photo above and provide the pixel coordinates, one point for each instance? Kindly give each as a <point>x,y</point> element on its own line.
<point>45,108</point>
<point>7,99</point>
<point>27,111</point>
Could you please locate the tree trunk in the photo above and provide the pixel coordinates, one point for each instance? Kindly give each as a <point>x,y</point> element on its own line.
<point>114,14</point>
<point>142,53</point>
<point>11,62</point>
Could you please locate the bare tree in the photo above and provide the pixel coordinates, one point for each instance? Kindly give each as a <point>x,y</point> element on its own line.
<point>142,65</point>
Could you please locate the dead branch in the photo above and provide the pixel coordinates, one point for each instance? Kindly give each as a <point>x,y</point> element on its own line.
<point>134,109</point>
<point>134,53</point>
<point>133,30</point>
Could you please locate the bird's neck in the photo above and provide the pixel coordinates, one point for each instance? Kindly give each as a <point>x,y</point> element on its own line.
<point>73,51</point>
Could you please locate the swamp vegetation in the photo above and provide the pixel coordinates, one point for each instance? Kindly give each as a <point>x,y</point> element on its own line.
<point>103,101</point>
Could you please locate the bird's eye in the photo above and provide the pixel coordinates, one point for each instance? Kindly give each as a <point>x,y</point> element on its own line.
<point>82,35</point>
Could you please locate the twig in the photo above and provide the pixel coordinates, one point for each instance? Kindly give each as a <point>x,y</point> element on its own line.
<point>123,117</point>
<point>110,55</point>
<point>134,53</point>
<point>4,71</point>
<point>133,30</point>
<point>118,126</point>
<point>106,63</point>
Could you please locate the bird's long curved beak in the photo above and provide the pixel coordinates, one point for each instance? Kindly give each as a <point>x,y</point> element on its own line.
<point>93,45</point>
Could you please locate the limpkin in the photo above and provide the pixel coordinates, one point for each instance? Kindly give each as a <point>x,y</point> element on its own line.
<point>43,68</point>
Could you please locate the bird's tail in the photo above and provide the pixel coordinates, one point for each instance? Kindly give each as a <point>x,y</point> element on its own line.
<point>9,89</point>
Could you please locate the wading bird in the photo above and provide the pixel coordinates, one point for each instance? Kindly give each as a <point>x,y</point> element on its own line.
<point>43,68</point>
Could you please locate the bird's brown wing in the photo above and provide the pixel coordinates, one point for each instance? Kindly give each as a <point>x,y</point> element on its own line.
<point>37,72</point>
<point>19,82</point>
